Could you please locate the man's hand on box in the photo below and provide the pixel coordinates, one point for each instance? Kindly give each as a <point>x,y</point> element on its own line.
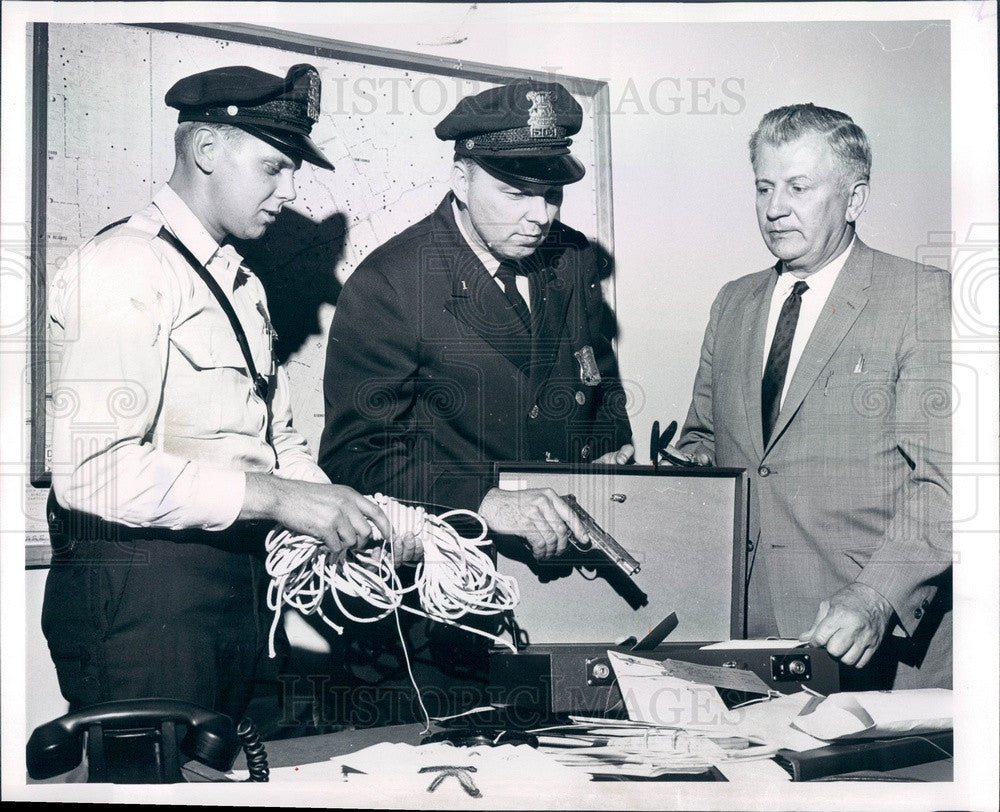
<point>851,624</point>
<point>672,455</point>
<point>619,457</point>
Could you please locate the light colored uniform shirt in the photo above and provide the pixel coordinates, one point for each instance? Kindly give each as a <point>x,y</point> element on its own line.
<point>820,284</point>
<point>155,417</point>
<point>490,262</point>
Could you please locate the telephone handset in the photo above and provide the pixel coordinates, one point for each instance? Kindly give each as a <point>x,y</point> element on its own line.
<point>57,747</point>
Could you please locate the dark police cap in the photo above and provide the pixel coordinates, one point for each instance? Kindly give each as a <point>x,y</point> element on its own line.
<point>518,132</point>
<point>280,111</point>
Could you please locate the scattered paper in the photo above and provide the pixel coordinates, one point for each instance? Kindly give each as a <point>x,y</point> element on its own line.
<point>627,749</point>
<point>770,722</point>
<point>877,714</point>
<point>398,767</point>
<point>653,696</point>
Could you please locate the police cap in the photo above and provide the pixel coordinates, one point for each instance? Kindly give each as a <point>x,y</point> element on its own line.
<point>280,111</point>
<point>518,132</point>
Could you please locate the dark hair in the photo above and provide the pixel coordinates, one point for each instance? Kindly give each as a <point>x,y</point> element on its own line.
<point>846,139</point>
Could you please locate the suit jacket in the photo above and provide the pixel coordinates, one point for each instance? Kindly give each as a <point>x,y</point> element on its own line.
<point>854,484</point>
<point>430,378</point>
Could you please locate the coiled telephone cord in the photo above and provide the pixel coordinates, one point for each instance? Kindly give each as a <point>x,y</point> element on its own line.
<point>256,755</point>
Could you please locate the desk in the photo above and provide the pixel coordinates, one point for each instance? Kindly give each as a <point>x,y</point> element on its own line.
<point>313,749</point>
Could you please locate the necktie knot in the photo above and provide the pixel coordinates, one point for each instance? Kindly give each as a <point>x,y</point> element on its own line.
<point>508,270</point>
<point>799,288</point>
<point>507,276</point>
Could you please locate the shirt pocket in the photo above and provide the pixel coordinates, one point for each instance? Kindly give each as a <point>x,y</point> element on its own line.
<point>211,384</point>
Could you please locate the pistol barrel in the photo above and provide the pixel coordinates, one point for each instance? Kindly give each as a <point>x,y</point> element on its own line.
<point>601,539</point>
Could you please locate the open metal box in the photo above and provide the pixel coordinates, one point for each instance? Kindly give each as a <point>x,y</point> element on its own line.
<point>687,529</point>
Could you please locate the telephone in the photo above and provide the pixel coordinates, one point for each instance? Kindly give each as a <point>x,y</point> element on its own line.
<point>140,736</point>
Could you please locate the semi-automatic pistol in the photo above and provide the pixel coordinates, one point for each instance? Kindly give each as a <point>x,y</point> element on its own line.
<point>600,540</point>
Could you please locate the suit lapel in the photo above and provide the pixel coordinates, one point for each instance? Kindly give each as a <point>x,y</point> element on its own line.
<point>753,333</point>
<point>846,301</point>
<point>477,301</point>
<point>549,300</point>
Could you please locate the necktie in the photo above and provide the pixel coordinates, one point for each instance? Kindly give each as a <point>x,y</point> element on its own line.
<point>507,275</point>
<point>776,367</point>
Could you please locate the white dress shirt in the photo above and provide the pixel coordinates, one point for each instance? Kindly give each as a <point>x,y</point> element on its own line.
<point>820,284</point>
<point>155,418</point>
<point>490,262</point>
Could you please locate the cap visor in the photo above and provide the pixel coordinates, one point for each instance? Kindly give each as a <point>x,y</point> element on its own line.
<point>550,171</point>
<point>292,144</point>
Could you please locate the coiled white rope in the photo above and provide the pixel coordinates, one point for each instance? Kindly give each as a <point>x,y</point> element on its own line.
<point>455,577</point>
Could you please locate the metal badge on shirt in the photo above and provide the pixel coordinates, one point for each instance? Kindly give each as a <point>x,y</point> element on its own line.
<point>265,386</point>
<point>589,373</point>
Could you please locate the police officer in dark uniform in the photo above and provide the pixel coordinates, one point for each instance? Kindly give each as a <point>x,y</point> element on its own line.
<point>161,339</point>
<point>475,336</point>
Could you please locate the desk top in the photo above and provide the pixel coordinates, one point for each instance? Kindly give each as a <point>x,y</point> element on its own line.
<point>312,749</point>
<point>322,747</point>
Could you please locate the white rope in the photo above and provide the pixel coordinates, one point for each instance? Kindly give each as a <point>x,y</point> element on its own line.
<point>455,577</point>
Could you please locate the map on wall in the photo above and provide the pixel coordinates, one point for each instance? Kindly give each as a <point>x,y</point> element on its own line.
<point>110,148</point>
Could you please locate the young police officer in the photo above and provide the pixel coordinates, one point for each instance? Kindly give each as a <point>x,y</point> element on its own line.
<point>161,340</point>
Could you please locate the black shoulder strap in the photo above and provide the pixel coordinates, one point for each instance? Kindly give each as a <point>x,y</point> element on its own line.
<point>261,383</point>
<point>110,226</point>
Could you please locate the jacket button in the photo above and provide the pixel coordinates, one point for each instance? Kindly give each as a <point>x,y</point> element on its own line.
<point>764,470</point>
<point>918,613</point>
<point>750,545</point>
<point>534,412</point>
<point>924,603</point>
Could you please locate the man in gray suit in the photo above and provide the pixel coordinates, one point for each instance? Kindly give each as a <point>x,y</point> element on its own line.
<point>827,377</point>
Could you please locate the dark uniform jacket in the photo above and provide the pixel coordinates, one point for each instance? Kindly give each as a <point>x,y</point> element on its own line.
<point>430,378</point>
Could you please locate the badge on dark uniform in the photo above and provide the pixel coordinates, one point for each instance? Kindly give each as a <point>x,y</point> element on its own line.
<point>589,373</point>
<point>278,110</point>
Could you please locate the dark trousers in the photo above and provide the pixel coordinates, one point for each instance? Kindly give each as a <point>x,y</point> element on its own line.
<point>134,614</point>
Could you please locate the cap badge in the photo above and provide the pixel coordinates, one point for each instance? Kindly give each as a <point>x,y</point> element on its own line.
<point>542,115</point>
<point>312,96</point>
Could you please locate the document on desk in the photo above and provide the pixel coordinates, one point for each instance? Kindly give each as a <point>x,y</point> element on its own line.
<point>621,748</point>
<point>674,692</point>
<point>771,721</point>
<point>655,695</point>
<point>877,714</point>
